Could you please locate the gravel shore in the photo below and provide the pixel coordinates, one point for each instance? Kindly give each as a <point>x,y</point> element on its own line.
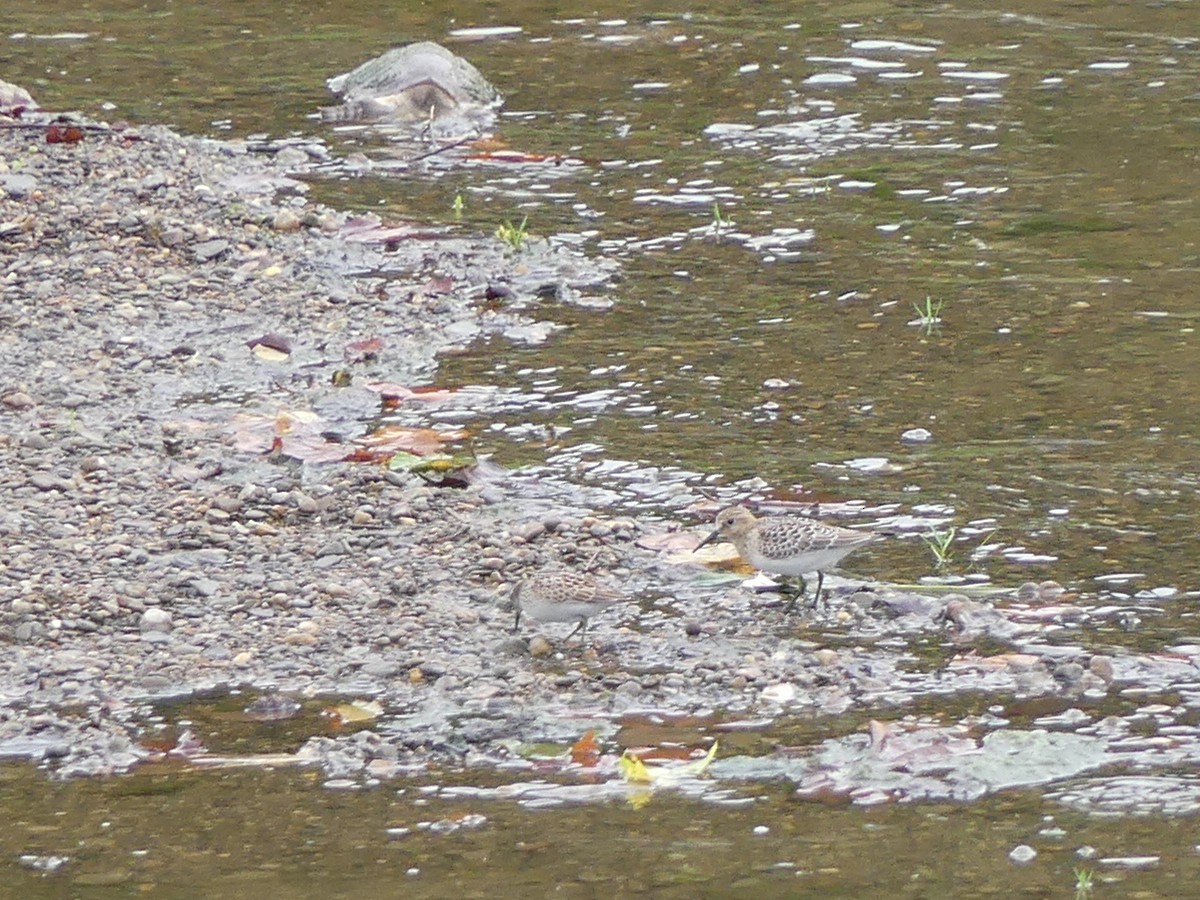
<point>160,540</point>
<point>151,549</point>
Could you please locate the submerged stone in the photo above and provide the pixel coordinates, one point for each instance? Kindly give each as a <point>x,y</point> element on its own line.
<point>414,84</point>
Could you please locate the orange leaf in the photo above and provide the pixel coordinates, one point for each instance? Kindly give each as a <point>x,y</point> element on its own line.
<point>586,751</point>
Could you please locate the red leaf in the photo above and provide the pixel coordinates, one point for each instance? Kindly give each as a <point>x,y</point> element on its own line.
<point>63,134</point>
<point>364,350</point>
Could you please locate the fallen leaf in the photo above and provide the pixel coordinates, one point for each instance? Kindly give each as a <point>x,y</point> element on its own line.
<point>358,351</point>
<point>399,393</point>
<point>363,455</point>
<point>354,712</point>
<point>632,769</point>
<point>635,771</point>
<point>419,441</point>
<point>298,434</point>
<point>585,751</point>
<point>669,541</point>
<point>63,134</point>
<point>516,156</point>
<point>269,354</point>
<point>276,342</point>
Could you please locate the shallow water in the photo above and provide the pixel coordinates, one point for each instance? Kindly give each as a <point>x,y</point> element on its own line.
<point>1031,171</point>
<point>166,831</point>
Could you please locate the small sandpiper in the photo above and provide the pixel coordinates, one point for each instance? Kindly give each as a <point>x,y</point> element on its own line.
<point>787,545</point>
<point>558,595</point>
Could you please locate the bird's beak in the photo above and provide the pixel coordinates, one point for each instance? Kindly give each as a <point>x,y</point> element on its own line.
<point>708,540</point>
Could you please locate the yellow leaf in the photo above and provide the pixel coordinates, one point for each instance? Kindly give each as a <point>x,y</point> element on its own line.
<point>698,767</point>
<point>633,769</point>
<point>357,711</point>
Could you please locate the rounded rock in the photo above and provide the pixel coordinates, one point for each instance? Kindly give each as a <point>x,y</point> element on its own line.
<point>1022,854</point>
<point>155,620</point>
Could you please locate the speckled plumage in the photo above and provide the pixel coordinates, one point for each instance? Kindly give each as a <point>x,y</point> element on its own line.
<point>786,545</point>
<point>558,595</point>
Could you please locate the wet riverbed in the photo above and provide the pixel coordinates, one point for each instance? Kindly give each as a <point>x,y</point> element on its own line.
<point>783,194</point>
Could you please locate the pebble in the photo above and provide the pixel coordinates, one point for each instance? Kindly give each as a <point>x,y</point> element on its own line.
<point>155,621</point>
<point>1022,854</point>
<point>209,250</point>
<point>17,400</point>
<point>286,220</point>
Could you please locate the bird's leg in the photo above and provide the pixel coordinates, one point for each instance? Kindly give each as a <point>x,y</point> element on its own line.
<point>517,623</point>
<point>581,627</point>
<point>820,580</point>
<point>797,592</point>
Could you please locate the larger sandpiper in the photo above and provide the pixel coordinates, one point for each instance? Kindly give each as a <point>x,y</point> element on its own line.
<point>786,545</point>
<point>559,595</point>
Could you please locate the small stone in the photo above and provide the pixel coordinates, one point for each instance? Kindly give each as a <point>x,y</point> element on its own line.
<point>529,531</point>
<point>243,658</point>
<point>286,220</point>
<point>381,668</point>
<point>17,400</point>
<point>1028,592</point>
<point>18,186</point>
<point>1049,590</point>
<point>917,436</point>
<point>826,656</point>
<point>155,621</point>
<point>539,647</point>
<point>207,250</point>
<point>28,631</point>
<point>92,464</point>
<point>1022,854</point>
<point>1102,666</point>
<point>290,157</point>
<point>47,481</point>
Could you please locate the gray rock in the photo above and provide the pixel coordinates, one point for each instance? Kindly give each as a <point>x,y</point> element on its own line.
<point>206,251</point>
<point>414,84</point>
<point>18,185</point>
<point>155,621</point>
